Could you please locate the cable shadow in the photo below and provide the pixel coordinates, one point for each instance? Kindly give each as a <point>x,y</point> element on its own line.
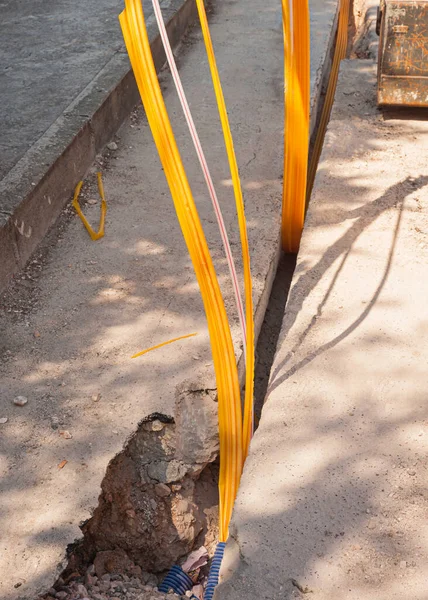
<point>394,196</point>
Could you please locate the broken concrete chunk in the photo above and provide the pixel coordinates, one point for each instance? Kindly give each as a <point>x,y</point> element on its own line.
<point>196,427</point>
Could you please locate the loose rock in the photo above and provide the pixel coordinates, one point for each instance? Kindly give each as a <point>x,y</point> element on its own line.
<point>162,490</point>
<point>112,146</point>
<point>20,401</point>
<point>3,420</point>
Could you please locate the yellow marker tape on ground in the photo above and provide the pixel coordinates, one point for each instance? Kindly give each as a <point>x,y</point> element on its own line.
<point>95,235</point>
<point>177,339</point>
<point>295,14</point>
<point>229,403</point>
<point>248,425</point>
<point>339,54</point>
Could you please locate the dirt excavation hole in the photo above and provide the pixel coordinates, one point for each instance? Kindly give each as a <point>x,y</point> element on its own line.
<point>158,502</point>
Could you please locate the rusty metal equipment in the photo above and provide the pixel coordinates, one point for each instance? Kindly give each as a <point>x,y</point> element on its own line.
<point>403,52</point>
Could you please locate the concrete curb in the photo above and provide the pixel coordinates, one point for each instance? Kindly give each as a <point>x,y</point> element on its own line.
<point>38,187</point>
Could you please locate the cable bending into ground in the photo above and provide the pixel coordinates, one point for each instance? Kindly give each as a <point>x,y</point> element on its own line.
<point>248,424</point>
<point>229,402</point>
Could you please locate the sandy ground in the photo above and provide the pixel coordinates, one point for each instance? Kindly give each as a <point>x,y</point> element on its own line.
<point>334,496</point>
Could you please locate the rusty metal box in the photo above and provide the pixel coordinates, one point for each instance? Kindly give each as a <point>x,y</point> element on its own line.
<point>403,53</point>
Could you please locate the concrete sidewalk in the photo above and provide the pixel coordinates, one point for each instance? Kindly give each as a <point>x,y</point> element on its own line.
<point>333,499</point>
<point>82,308</point>
<point>65,88</point>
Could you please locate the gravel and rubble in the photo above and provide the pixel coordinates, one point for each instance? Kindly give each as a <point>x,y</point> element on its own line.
<point>113,576</point>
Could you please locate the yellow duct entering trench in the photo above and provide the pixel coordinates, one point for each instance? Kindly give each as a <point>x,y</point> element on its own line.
<point>229,402</point>
<point>295,15</point>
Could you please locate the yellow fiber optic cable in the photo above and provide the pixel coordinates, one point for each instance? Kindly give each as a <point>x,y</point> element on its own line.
<point>295,15</point>
<point>248,425</point>
<point>229,405</point>
<point>177,339</point>
<point>95,235</point>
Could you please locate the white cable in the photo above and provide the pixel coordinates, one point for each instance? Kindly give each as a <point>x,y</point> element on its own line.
<point>204,166</point>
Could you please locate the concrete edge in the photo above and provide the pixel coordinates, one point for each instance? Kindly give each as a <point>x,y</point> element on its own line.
<point>38,187</point>
<point>233,564</point>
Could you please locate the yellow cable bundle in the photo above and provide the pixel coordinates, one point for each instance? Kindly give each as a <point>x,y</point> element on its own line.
<point>295,14</point>
<point>339,54</point>
<point>229,404</point>
<point>248,425</point>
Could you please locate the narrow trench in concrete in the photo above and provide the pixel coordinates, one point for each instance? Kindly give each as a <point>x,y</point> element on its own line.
<point>159,497</point>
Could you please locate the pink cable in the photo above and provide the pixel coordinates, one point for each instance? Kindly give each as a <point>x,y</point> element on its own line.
<point>204,165</point>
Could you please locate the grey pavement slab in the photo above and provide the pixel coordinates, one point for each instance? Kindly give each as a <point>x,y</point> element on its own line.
<point>50,51</point>
<point>333,498</point>
<point>66,87</point>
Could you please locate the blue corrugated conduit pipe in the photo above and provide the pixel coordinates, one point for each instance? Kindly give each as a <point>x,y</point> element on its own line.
<point>214,571</point>
<point>176,580</point>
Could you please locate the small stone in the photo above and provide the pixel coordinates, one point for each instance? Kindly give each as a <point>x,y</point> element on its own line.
<point>81,590</point>
<point>157,425</point>
<point>162,490</point>
<point>403,564</point>
<point>3,420</point>
<point>65,434</point>
<point>411,473</point>
<point>137,571</point>
<point>96,397</point>
<point>106,577</point>
<point>92,201</point>
<point>104,586</point>
<point>371,525</point>
<point>112,146</point>
<point>166,471</point>
<point>20,401</point>
<point>61,595</point>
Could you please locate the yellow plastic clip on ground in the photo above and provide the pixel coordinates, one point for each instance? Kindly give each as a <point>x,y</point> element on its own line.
<point>295,14</point>
<point>229,402</point>
<point>339,54</point>
<point>248,425</point>
<point>95,235</point>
